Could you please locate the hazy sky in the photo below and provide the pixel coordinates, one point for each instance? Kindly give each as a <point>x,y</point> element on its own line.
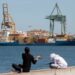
<point>30,14</point>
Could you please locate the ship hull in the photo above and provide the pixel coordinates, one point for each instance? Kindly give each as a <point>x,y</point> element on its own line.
<point>57,43</point>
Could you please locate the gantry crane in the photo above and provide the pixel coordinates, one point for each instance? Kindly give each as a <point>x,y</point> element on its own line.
<point>57,17</point>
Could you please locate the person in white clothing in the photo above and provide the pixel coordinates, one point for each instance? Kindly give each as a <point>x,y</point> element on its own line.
<point>57,61</point>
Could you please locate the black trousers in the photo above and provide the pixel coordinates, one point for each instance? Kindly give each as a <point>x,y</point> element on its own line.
<point>17,67</point>
<point>20,68</point>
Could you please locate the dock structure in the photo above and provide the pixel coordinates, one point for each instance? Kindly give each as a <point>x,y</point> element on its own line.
<point>57,17</point>
<point>65,71</point>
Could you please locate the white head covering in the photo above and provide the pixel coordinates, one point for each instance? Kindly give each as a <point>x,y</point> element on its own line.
<point>52,55</point>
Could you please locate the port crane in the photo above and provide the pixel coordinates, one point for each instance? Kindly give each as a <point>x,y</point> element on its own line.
<point>58,17</point>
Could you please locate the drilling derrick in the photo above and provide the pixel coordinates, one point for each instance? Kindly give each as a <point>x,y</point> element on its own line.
<point>58,17</point>
<point>8,23</point>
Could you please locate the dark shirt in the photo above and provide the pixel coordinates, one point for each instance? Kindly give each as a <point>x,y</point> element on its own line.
<point>28,59</point>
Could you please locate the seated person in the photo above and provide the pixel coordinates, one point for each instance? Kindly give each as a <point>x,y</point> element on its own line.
<point>28,59</point>
<point>57,61</point>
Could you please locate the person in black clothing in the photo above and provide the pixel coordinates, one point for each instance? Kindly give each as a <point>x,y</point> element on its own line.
<point>28,59</point>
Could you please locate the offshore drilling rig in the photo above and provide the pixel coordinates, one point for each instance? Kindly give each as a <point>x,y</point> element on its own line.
<point>8,25</point>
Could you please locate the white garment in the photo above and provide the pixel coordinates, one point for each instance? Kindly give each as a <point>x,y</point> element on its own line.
<point>58,61</point>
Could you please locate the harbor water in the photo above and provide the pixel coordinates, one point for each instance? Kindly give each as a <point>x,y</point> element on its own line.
<point>12,54</point>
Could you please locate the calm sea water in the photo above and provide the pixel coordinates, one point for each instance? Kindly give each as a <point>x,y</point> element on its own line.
<point>12,54</point>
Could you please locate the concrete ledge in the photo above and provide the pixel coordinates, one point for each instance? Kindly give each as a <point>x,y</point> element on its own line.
<point>67,71</point>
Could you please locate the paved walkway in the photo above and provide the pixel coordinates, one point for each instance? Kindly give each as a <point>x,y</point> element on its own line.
<point>67,71</point>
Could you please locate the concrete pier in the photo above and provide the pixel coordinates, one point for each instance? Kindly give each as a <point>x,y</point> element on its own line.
<point>67,71</point>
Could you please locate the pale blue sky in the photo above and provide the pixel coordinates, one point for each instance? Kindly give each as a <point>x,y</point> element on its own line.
<point>32,13</point>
